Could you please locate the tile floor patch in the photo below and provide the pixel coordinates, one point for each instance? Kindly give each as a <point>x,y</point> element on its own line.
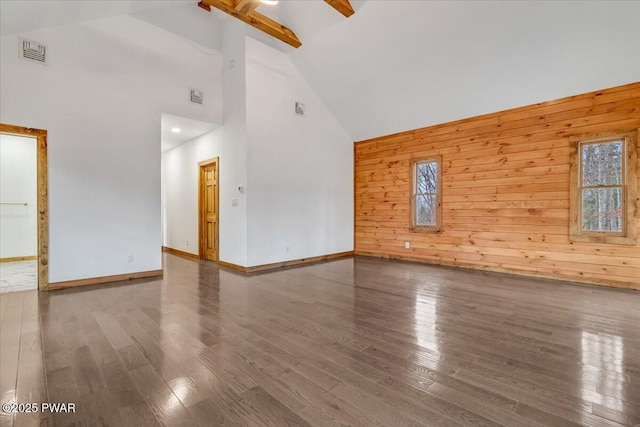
<point>18,276</point>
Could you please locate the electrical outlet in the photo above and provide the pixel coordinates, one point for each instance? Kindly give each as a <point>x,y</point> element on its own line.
<point>407,245</point>
<point>234,202</point>
<point>286,249</point>
<point>187,243</point>
<point>129,259</point>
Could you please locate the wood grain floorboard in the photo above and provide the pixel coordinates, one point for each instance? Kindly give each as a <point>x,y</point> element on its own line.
<point>31,385</point>
<point>10,351</point>
<point>358,342</point>
<point>270,410</point>
<point>4,303</point>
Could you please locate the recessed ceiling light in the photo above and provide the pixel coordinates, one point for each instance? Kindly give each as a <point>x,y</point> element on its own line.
<point>270,2</point>
<point>176,130</point>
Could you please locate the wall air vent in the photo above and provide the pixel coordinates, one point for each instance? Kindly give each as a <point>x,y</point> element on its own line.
<point>300,108</point>
<point>33,51</point>
<point>196,96</point>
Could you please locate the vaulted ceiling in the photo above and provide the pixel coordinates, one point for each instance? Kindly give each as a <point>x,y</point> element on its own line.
<point>397,65</point>
<point>400,65</point>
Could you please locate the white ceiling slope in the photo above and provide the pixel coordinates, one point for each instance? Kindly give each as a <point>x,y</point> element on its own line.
<point>26,15</point>
<point>401,65</point>
<point>187,21</point>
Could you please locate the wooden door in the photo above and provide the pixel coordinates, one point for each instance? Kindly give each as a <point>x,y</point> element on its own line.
<point>208,203</point>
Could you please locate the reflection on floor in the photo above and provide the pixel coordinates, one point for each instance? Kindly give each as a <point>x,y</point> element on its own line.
<point>359,342</point>
<point>18,276</point>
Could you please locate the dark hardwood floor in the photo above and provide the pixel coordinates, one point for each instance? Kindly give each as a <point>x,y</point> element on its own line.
<point>358,342</point>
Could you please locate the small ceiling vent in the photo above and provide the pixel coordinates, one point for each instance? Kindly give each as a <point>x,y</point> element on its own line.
<point>196,96</point>
<point>33,51</point>
<point>300,108</point>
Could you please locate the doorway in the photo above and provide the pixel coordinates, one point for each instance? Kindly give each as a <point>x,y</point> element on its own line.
<point>208,209</point>
<point>19,263</point>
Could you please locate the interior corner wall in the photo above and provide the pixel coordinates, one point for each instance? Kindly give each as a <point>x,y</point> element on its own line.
<point>100,99</point>
<point>233,159</point>
<point>300,169</point>
<point>18,185</point>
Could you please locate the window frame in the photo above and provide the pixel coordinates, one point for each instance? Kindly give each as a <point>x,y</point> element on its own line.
<point>413,195</point>
<point>628,234</point>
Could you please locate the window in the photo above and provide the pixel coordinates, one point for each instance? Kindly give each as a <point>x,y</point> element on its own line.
<point>603,188</point>
<point>426,204</point>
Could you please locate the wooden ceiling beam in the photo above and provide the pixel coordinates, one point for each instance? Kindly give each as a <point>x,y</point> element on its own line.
<point>247,6</point>
<point>342,6</point>
<point>244,10</point>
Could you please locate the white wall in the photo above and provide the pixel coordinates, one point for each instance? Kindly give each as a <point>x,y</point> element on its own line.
<point>233,157</point>
<point>18,183</point>
<point>100,98</point>
<point>300,169</point>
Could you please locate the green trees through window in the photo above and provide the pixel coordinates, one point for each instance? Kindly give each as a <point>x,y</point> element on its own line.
<point>602,186</point>
<point>427,193</point>
<point>603,203</point>
<point>426,197</point>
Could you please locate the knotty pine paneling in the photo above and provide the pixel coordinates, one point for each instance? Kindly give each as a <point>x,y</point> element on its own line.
<point>505,200</point>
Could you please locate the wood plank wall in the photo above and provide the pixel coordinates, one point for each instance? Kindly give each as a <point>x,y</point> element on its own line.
<point>505,201</point>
